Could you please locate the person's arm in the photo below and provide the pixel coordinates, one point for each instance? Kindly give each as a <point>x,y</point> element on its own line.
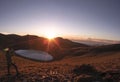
<point>12,52</point>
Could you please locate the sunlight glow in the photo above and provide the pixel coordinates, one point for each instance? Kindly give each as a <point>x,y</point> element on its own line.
<point>50,34</point>
<point>50,30</point>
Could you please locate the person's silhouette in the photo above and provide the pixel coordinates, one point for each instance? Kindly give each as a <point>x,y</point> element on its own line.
<point>9,61</point>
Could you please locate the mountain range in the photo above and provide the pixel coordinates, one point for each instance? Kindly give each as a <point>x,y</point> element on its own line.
<point>57,47</point>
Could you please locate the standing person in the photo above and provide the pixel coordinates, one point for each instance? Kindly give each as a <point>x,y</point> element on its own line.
<point>9,61</point>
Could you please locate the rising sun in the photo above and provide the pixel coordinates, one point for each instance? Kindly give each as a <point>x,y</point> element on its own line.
<point>50,35</point>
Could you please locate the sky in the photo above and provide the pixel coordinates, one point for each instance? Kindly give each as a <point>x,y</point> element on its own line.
<point>68,18</point>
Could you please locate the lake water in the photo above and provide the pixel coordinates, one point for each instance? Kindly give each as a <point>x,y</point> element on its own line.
<point>35,55</point>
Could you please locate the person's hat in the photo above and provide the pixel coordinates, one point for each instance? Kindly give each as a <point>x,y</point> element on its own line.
<point>6,49</point>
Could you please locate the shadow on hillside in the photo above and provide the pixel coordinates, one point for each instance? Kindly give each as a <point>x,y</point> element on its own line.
<point>88,73</point>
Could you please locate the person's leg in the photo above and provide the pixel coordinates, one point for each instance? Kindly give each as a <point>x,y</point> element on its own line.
<point>17,72</point>
<point>8,68</point>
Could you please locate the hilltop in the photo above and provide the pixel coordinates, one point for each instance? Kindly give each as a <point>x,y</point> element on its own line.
<point>58,47</point>
<point>76,62</point>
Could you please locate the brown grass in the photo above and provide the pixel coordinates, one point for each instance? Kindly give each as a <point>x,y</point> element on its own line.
<point>31,71</point>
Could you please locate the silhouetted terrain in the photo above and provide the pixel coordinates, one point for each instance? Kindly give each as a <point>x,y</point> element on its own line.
<point>106,48</point>
<point>57,47</point>
<point>77,62</point>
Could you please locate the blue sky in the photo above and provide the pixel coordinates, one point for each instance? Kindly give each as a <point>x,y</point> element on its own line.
<point>83,18</point>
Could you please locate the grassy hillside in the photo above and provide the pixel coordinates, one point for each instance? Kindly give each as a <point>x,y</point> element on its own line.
<point>74,62</point>
<point>75,68</point>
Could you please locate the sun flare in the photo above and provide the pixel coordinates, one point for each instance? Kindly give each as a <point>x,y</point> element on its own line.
<point>50,34</point>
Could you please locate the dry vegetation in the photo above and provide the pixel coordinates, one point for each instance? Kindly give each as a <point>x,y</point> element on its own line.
<point>87,68</point>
